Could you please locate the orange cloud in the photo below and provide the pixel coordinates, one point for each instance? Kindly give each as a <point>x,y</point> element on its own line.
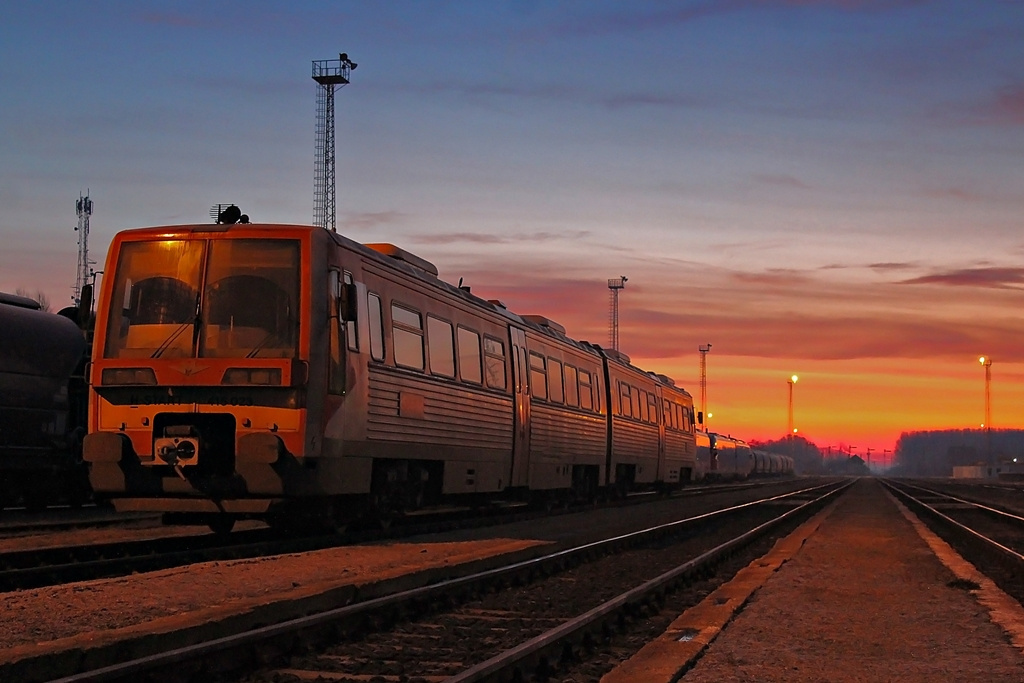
<point>999,278</point>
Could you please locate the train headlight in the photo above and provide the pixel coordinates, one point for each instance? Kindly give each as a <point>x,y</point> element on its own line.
<point>258,376</point>
<point>112,376</point>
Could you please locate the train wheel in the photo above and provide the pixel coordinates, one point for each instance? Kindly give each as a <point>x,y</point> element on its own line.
<point>221,524</point>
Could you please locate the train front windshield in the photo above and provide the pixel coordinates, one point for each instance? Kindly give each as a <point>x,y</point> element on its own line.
<point>206,298</point>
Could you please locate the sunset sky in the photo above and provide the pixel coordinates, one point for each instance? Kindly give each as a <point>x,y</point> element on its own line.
<point>831,188</point>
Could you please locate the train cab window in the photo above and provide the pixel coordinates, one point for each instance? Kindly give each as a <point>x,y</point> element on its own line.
<point>652,408</point>
<point>407,334</point>
<point>572,387</point>
<point>625,404</point>
<point>555,394</point>
<point>350,326</point>
<point>469,356</point>
<point>687,421</point>
<point>586,391</point>
<point>538,376</point>
<point>157,292</point>
<point>376,324</point>
<point>441,347</point>
<point>248,308</point>
<point>251,300</point>
<point>494,363</point>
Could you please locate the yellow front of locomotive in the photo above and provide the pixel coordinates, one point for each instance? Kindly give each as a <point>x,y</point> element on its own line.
<point>200,370</point>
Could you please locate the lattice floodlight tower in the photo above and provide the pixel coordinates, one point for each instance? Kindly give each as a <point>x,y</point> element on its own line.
<point>614,285</point>
<point>704,351</point>
<point>330,75</point>
<point>83,207</point>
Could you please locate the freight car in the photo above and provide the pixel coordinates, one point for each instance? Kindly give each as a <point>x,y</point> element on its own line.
<point>290,374</point>
<point>42,406</point>
<point>767,463</point>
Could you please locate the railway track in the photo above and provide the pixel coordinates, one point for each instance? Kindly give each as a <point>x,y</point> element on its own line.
<point>568,611</point>
<point>33,568</point>
<point>990,537</point>
<point>19,522</point>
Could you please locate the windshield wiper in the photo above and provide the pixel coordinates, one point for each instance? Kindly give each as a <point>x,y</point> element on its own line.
<point>166,344</point>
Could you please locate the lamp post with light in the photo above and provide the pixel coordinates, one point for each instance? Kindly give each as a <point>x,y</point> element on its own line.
<point>791,381</point>
<point>986,362</point>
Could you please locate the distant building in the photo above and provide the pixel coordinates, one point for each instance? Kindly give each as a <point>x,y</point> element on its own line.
<point>970,472</point>
<point>1006,469</point>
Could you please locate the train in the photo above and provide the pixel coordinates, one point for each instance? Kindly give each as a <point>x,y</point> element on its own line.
<point>723,457</point>
<point>43,400</point>
<point>289,374</point>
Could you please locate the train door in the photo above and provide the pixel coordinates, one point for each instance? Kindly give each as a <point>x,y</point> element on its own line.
<point>662,414</point>
<point>521,412</point>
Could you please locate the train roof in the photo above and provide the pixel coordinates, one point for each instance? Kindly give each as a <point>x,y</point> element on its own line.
<point>419,268</point>
<point>19,301</point>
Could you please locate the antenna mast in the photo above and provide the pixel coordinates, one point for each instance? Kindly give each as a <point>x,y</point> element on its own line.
<point>704,350</point>
<point>614,285</point>
<point>83,207</point>
<point>330,75</point>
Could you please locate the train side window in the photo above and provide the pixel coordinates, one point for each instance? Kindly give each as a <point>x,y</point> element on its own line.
<point>469,356</point>
<point>350,326</point>
<point>652,408</point>
<point>670,415</point>
<point>494,363</point>
<point>586,391</point>
<point>441,347</point>
<point>636,402</point>
<point>555,394</point>
<point>572,387</point>
<point>625,405</point>
<point>538,376</point>
<point>644,413</point>
<point>687,419</point>
<point>407,333</point>
<point>376,327</point>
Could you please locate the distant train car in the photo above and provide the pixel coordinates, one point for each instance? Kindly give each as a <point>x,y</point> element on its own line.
<point>288,373</point>
<point>651,426</point>
<point>733,457</point>
<point>707,465</point>
<point>40,424</point>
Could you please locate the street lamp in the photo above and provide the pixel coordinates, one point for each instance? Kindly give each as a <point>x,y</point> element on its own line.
<point>986,362</point>
<point>791,381</point>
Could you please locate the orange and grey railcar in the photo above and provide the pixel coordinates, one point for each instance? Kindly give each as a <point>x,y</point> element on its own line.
<point>277,372</point>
